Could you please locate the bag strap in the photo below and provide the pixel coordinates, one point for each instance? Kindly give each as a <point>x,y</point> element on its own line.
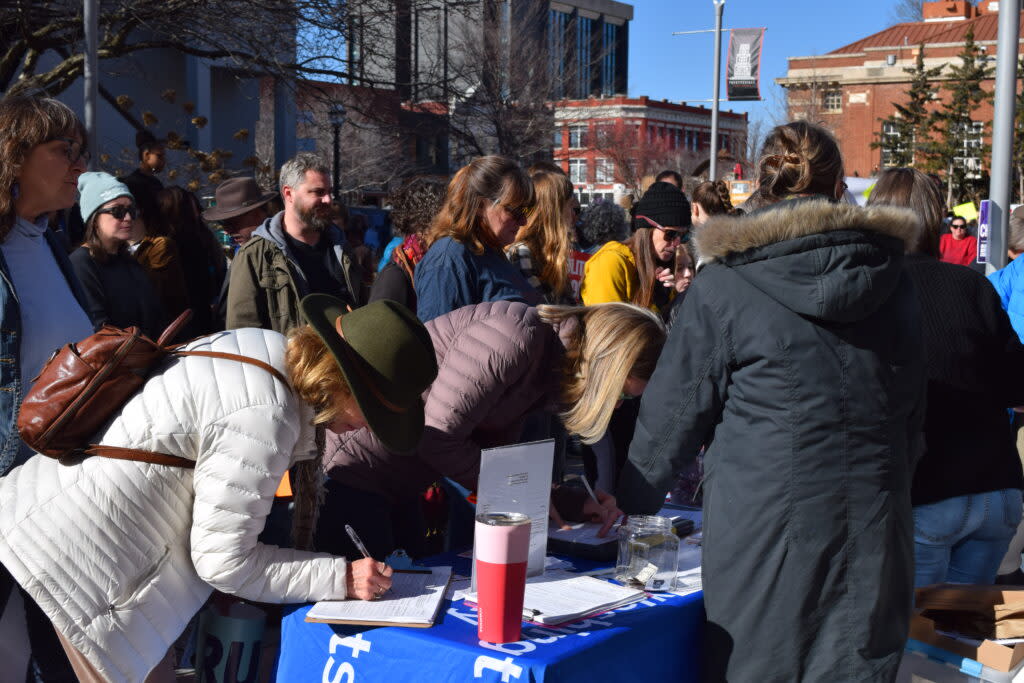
<point>118,453</point>
<point>172,330</point>
<point>241,359</point>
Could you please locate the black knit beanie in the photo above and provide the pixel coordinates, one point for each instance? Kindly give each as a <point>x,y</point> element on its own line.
<point>664,204</point>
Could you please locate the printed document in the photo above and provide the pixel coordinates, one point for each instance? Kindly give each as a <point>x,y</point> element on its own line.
<point>413,600</point>
<point>517,478</point>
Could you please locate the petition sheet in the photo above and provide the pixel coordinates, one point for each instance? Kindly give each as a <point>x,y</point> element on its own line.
<point>413,599</point>
<point>517,478</point>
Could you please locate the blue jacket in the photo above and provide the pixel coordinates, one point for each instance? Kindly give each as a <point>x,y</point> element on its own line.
<point>11,389</point>
<point>451,276</point>
<point>1009,283</point>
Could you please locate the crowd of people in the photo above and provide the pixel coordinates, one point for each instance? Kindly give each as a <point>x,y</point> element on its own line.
<point>827,380</point>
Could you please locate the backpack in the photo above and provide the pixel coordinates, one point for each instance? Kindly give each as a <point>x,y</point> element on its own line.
<point>82,386</point>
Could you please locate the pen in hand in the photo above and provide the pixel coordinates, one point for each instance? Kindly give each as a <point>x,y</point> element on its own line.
<point>586,485</point>
<point>593,497</point>
<point>359,543</point>
<point>366,554</point>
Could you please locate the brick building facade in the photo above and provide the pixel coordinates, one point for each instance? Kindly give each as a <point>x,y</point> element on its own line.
<point>609,145</point>
<point>851,89</point>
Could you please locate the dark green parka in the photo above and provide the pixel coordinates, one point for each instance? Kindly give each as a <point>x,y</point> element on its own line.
<point>797,361</point>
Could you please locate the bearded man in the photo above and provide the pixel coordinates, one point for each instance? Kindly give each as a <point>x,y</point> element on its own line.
<point>297,252</point>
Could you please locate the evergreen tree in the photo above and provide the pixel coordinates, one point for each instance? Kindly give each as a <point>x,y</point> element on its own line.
<point>959,136</point>
<point>909,128</point>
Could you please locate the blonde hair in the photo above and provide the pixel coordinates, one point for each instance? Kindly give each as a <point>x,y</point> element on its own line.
<point>613,341</point>
<point>546,234</point>
<point>314,374</point>
<point>494,178</point>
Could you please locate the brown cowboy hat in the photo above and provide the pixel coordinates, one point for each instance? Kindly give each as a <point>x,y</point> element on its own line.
<point>236,196</point>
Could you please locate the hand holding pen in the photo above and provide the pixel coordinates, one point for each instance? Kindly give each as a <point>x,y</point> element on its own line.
<point>367,579</point>
<point>601,507</point>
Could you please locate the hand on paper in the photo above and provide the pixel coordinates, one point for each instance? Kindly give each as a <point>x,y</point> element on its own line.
<point>367,579</point>
<point>605,511</point>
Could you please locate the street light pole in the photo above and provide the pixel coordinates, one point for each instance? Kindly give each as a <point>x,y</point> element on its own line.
<point>719,9</point>
<point>336,115</point>
<point>91,80</point>
<point>1002,131</point>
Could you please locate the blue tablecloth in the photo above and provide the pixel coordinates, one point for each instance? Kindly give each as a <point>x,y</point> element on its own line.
<point>658,639</point>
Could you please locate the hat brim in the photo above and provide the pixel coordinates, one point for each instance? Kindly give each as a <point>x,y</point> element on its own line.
<point>400,432</point>
<point>218,214</point>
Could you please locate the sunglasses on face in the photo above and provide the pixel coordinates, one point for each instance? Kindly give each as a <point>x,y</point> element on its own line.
<point>519,213</point>
<point>958,226</point>
<point>671,234</point>
<point>74,150</point>
<point>120,211</point>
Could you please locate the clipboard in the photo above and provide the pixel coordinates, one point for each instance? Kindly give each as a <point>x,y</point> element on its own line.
<point>413,602</point>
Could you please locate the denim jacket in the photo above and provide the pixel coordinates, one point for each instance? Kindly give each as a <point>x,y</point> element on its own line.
<point>11,389</point>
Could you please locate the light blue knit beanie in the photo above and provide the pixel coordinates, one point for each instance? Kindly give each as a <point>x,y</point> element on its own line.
<point>96,189</point>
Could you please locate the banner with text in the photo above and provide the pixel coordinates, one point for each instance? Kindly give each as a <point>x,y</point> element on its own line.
<point>743,72</point>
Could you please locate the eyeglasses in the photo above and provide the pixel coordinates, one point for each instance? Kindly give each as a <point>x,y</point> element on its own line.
<point>671,234</point>
<point>520,213</point>
<point>958,226</point>
<point>74,150</point>
<point>120,211</point>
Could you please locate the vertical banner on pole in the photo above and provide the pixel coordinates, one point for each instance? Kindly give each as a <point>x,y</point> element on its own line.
<point>984,224</point>
<point>742,74</point>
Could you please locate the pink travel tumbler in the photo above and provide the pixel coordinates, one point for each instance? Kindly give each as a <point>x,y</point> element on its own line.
<point>502,544</point>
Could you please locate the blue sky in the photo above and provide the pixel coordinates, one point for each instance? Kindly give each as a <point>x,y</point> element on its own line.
<point>680,67</point>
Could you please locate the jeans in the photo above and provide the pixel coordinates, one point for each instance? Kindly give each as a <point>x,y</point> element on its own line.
<point>963,539</point>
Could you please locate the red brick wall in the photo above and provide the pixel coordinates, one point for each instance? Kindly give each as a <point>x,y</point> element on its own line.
<point>855,127</point>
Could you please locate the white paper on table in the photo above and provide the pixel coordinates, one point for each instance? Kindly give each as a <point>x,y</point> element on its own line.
<point>517,478</point>
<point>584,533</point>
<point>560,596</point>
<point>413,599</point>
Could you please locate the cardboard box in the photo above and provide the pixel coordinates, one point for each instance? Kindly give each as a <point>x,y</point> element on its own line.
<point>979,599</point>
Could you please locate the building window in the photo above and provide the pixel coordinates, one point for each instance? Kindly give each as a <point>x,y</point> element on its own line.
<point>305,144</point>
<point>604,171</point>
<point>832,100</point>
<point>894,147</point>
<point>970,159</point>
<point>577,137</point>
<point>609,47</point>
<point>578,170</point>
<point>305,116</point>
<point>558,27</point>
<point>584,28</point>
<point>557,141</point>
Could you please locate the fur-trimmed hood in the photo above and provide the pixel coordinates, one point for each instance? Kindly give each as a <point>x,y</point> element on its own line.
<point>836,262</point>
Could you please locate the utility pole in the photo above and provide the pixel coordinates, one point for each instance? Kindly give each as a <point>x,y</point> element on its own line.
<point>91,80</point>
<point>1002,132</point>
<point>719,9</point>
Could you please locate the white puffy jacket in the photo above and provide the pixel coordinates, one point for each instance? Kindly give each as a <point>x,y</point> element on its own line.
<point>121,554</point>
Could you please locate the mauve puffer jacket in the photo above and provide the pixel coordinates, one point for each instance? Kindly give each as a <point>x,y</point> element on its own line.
<point>497,362</point>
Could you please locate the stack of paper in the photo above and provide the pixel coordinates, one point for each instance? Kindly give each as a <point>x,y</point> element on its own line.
<point>414,600</point>
<point>558,597</point>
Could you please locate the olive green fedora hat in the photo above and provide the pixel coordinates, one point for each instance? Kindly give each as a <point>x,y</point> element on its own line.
<point>387,358</point>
